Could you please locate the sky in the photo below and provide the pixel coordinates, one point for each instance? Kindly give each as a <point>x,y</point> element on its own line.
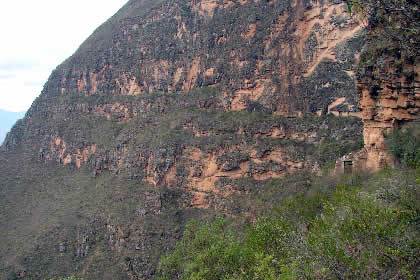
<point>36,36</point>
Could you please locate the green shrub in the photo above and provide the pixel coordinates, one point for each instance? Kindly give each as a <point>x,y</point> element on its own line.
<point>404,145</point>
<point>207,251</point>
<point>343,233</point>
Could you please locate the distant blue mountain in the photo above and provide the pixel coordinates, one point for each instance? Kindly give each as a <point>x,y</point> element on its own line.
<point>7,120</point>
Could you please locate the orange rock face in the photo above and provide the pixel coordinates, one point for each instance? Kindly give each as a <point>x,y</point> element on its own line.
<point>386,101</point>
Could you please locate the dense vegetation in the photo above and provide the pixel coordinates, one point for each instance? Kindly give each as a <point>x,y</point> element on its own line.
<point>404,144</point>
<point>359,227</point>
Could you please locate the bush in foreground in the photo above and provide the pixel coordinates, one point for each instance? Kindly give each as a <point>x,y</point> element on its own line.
<point>353,232</point>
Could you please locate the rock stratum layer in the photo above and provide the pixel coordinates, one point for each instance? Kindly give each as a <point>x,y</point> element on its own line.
<point>173,110</point>
<point>389,99</point>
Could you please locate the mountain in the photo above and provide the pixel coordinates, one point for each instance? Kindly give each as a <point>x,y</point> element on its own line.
<point>175,110</point>
<point>7,120</point>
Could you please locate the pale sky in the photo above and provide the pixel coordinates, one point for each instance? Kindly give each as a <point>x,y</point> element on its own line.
<point>36,36</point>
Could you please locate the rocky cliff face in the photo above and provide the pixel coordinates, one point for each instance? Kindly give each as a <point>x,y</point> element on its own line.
<point>388,79</point>
<point>251,50</point>
<point>173,110</point>
<point>275,57</point>
<point>388,99</point>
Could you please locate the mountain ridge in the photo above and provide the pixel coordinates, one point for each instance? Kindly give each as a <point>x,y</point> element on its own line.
<point>7,120</point>
<point>173,111</point>
<point>166,120</point>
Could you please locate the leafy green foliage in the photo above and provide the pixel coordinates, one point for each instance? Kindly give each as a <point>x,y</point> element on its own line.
<point>404,144</point>
<point>354,5</point>
<point>347,232</point>
<point>212,253</point>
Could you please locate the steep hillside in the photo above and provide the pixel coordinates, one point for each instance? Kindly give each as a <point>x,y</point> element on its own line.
<point>360,226</point>
<point>173,110</point>
<point>7,120</point>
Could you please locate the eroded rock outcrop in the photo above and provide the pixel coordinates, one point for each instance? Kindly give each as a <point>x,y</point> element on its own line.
<point>388,100</point>
<point>282,58</point>
<point>251,50</point>
<point>174,110</point>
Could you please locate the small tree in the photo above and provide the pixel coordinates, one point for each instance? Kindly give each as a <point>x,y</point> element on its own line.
<point>404,145</point>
